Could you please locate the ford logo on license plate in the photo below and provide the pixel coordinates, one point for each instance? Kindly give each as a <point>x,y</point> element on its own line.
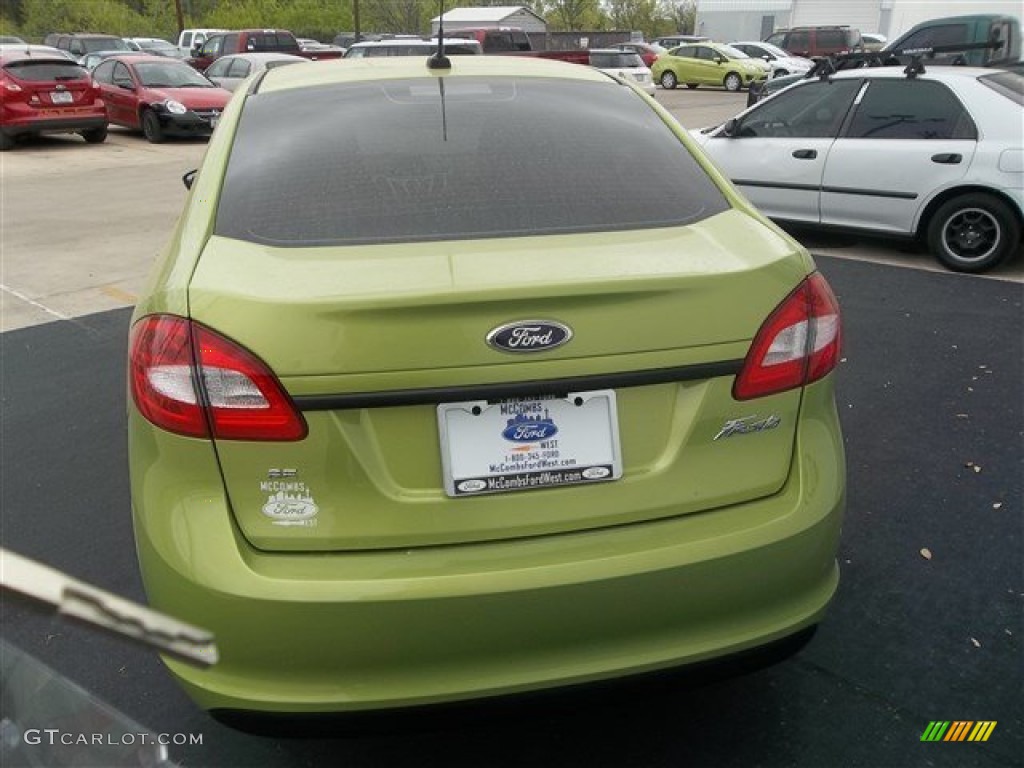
<point>529,336</point>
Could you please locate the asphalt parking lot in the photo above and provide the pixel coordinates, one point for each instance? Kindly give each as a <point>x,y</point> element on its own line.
<point>927,625</point>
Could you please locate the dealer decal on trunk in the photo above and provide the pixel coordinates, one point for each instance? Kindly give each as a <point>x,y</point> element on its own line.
<point>289,501</point>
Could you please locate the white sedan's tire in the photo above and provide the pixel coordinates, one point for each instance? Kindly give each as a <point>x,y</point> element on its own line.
<point>973,232</point>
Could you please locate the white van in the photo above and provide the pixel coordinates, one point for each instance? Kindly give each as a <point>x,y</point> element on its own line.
<point>190,38</point>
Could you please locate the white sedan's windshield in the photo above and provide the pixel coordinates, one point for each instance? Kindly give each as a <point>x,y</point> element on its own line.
<point>732,53</point>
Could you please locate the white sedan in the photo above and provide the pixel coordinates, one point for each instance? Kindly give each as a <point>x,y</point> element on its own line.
<point>937,155</point>
<point>626,65</point>
<point>782,62</point>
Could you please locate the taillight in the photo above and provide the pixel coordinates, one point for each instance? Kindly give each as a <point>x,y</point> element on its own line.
<point>797,344</point>
<point>190,380</point>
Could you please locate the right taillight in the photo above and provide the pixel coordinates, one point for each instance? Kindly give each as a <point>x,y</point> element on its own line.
<point>796,345</point>
<point>190,380</point>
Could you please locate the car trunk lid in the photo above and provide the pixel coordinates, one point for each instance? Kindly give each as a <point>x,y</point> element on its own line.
<point>370,340</point>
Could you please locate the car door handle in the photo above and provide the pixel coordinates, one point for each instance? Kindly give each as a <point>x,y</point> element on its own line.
<point>805,154</point>
<point>947,158</point>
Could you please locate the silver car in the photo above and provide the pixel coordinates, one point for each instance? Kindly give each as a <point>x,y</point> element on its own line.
<point>229,71</point>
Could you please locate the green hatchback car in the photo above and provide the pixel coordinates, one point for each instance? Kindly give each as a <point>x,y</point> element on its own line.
<point>709,64</point>
<point>429,403</point>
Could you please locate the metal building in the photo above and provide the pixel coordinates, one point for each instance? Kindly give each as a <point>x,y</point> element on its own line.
<point>492,16</point>
<point>756,19</point>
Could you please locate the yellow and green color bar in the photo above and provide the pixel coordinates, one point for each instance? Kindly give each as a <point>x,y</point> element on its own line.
<point>958,730</point>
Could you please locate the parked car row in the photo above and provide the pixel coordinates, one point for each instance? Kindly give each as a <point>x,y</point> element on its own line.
<point>948,35</point>
<point>46,92</point>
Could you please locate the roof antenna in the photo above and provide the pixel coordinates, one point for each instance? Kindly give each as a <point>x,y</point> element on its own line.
<point>439,60</point>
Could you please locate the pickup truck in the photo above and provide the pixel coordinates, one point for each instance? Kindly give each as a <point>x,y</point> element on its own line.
<point>253,41</point>
<point>495,39</point>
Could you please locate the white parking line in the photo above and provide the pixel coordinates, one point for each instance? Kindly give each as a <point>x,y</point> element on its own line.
<point>34,303</point>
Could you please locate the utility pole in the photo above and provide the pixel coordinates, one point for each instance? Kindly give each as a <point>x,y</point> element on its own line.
<point>179,14</point>
<point>355,20</point>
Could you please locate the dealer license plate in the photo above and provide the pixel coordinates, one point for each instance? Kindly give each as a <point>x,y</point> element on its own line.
<point>527,443</point>
<point>61,97</point>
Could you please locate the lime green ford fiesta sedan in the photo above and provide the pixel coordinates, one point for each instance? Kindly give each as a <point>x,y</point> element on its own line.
<point>708,64</point>
<point>470,379</point>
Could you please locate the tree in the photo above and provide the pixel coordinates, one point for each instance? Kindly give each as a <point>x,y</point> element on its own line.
<point>642,15</point>
<point>108,16</point>
<point>572,15</point>
<point>683,13</point>
<point>408,16</point>
<point>11,15</point>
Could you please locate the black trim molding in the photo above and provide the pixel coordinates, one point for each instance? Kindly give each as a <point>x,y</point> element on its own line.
<point>490,392</point>
<point>834,190</point>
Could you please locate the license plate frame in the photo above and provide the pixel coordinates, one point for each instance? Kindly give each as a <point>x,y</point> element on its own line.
<point>529,443</point>
<point>62,97</point>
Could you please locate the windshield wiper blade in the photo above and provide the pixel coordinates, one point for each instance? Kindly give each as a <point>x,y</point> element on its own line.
<point>103,609</point>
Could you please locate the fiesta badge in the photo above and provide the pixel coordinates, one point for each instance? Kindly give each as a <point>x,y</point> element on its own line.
<point>529,336</point>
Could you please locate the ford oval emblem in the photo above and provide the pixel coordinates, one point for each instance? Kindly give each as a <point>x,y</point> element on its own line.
<point>529,429</point>
<point>529,336</point>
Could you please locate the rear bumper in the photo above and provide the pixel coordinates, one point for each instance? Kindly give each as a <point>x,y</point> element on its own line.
<point>75,124</point>
<point>307,633</point>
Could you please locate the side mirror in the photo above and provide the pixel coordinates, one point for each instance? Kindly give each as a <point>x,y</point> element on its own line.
<point>719,60</point>
<point>731,128</point>
<point>189,178</point>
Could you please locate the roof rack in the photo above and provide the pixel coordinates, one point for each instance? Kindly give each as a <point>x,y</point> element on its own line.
<point>827,66</point>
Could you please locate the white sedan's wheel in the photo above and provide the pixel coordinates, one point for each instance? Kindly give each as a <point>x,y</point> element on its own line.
<point>973,232</point>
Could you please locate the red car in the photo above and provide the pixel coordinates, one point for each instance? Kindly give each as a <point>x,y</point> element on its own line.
<point>160,96</point>
<point>649,52</point>
<point>47,93</point>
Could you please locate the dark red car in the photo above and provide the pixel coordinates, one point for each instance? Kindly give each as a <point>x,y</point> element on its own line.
<point>47,93</point>
<point>160,96</point>
<point>648,51</point>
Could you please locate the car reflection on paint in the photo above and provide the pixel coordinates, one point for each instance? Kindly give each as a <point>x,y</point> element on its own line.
<point>400,403</point>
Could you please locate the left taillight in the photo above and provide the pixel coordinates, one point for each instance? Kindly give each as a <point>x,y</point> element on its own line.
<point>798,344</point>
<point>10,87</point>
<point>190,380</point>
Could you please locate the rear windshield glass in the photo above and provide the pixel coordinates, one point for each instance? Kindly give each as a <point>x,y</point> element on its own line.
<point>93,44</point>
<point>271,41</point>
<point>612,60</point>
<point>402,161</point>
<point>1010,84</point>
<point>411,49</point>
<point>44,71</point>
